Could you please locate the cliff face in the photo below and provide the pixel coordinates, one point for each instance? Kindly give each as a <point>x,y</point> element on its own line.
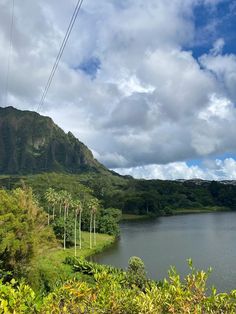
<point>31,143</point>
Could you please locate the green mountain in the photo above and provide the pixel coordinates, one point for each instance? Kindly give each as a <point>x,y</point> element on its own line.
<point>31,143</point>
<point>34,144</point>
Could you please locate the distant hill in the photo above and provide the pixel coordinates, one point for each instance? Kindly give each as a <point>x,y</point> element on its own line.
<point>206,182</point>
<point>31,143</point>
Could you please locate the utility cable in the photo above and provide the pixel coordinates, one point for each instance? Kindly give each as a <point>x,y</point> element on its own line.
<point>58,58</point>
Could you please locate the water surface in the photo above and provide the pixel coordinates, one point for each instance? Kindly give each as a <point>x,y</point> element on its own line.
<point>209,239</point>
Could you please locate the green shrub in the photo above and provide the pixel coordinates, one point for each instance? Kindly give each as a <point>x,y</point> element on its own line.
<point>108,293</point>
<point>136,274</point>
<point>108,225</point>
<point>17,298</point>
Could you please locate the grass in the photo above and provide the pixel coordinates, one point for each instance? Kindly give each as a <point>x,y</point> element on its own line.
<point>48,269</point>
<point>209,209</point>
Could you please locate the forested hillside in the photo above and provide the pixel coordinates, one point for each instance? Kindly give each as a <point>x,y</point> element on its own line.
<point>32,147</point>
<point>31,143</point>
<point>152,197</point>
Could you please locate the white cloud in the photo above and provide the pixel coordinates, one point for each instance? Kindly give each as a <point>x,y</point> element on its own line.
<point>221,108</point>
<point>218,47</point>
<point>131,84</point>
<point>223,66</point>
<point>216,170</point>
<point>151,101</point>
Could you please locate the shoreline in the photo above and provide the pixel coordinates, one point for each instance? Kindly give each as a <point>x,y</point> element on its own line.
<point>49,270</point>
<point>184,211</point>
<point>201,211</point>
<point>50,261</point>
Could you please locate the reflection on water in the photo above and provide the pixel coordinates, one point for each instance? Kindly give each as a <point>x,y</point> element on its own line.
<point>209,239</point>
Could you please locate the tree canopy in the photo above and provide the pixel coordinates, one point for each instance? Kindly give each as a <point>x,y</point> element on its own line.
<point>23,228</point>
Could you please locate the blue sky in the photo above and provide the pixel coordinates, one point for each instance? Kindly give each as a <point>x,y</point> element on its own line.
<point>90,66</point>
<point>148,86</point>
<point>222,19</point>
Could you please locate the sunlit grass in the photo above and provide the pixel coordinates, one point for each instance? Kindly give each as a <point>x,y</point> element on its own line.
<point>48,268</point>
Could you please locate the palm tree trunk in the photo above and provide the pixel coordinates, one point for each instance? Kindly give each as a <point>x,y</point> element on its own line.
<point>94,229</point>
<point>64,227</point>
<point>90,229</point>
<point>75,230</point>
<point>80,240</point>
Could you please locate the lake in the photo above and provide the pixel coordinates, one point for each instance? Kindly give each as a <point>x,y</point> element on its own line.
<point>209,239</point>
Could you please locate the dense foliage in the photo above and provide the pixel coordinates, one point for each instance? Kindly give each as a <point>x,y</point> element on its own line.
<point>160,197</point>
<point>23,228</point>
<point>110,293</point>
<point>68,214</point>
<point>152,197</point>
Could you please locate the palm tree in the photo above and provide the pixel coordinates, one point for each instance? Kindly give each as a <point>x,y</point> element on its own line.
<point>93,206</point>
<point>66,197</point>
<point>50,196</point>
<point>90,206</point>
<point>80,234</point>
<point>59,201</point>
<point>78,210</point>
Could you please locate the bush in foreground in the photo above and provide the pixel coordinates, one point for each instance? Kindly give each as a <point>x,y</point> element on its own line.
<point>109,294</point>
<point>23,230</point>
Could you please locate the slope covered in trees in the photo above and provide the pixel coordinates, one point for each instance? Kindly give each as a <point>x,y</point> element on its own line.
<point>152,197</point>
<point>31,234</point>
<point>31,143</point>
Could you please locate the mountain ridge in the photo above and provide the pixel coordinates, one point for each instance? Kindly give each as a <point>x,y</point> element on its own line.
<point>31,143</point>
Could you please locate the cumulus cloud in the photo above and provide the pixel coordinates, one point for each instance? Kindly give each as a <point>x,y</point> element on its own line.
<point>223,66</point>
<point>218,47</point>
<point>127,85</point>
<point>209,170</point>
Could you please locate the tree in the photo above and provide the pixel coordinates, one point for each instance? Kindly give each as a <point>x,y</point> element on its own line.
<point>66,197</point>
<point>23,228</point>
<point>93,207</point>
<point>59,202</point>
<point>90,206</point>
<point>59,227</point>
<point>113,212</point>
<point>136,274</point>
<point>108,225</point>
<point>78,211</point>
<point>51,197</point>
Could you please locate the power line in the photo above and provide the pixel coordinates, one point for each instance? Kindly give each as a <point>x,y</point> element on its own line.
<point>9,52</point>
<point>58,58</point>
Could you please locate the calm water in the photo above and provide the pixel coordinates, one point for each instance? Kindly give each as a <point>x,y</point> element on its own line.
<point>209,239</point>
